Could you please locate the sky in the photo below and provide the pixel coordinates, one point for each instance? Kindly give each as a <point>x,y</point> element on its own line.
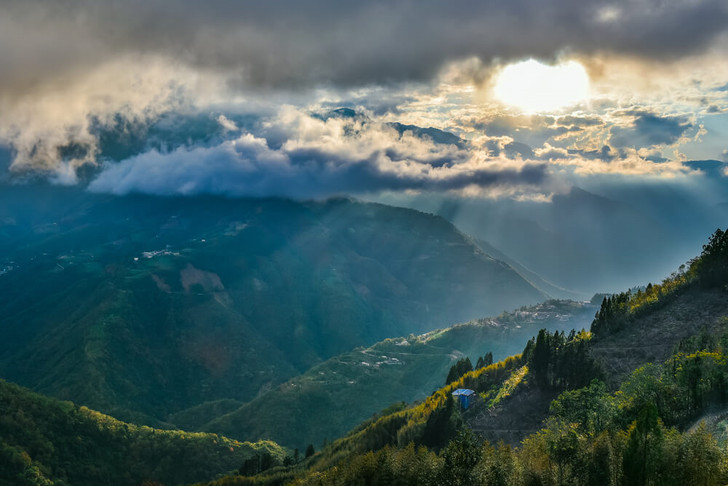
<point>240,97</point>
<point>581,136</point>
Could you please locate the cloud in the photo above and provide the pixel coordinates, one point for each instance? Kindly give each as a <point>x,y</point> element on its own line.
<point>69,71</point>
<point>533,130</point>
<point>631,164</point>
<point>287,43</point>
<point>320,157</point>
<point>302,154</point>
<point>54,127</point>
<point>649,130</point>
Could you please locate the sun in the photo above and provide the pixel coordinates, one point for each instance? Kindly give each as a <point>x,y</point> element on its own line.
<point>536,88</point>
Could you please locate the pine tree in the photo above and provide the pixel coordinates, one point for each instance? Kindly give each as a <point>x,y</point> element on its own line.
<point>310,451</point>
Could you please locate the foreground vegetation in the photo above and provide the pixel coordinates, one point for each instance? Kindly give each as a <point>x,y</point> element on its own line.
<point>46,442</point>
<point>592,436</point>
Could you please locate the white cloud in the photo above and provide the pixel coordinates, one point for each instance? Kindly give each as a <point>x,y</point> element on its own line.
<point>60,111</point>
<point>320,158</point>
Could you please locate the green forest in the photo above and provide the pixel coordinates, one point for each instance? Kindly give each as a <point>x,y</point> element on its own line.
<point>44,441</point>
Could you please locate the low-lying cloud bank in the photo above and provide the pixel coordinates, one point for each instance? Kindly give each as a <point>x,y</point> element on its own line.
<point>300,154</point>
<point>320,158</point>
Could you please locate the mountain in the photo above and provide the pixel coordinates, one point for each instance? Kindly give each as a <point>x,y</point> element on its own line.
<point>44,441</point>
<point>331,398</point>
<point>434,134</point>
<point>631,330</point>
<point>579,235</point>
<point>590,239</point>
<point>535,279</point>
<point>141,306</point>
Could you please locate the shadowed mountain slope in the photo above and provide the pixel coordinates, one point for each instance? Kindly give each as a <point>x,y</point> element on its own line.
<point>154,305</point>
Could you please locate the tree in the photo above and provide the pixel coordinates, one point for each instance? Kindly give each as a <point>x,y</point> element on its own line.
<point>700,459</point>
<point>484,361</point>
<point>565,447</point>
<point>591,408</point>
<point>310,451</point>
<point>441,425</point>
<point>458,370</point>
<point>602,468</point>
<point>461,456</point>
<point>541,358</point>
<point>257,464</point>
<point>643,454</point>
<point>712,265</point>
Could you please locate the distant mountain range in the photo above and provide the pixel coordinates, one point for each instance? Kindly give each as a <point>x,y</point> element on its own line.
<point>592,239</point>
<point>662,347</point>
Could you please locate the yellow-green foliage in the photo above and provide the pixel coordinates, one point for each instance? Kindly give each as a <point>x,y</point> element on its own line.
<point>654,292</point>
<point>617,310</point>
<point>591,436</point>
<point>608,450</point>
<point>404,426</point>
<point>484,378</point>
<point>509,385</point>
<point>44,438</point>
<point>583,335</point>
<point>408,465</point>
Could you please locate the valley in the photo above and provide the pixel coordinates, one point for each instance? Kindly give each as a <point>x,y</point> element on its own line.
<point>144,307</point>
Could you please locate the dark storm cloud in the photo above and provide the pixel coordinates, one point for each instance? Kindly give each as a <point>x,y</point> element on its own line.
<point>288,43</point>
<point>649,129</point>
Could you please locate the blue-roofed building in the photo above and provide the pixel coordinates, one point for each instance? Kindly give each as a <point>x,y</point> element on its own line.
<point>463,396</point>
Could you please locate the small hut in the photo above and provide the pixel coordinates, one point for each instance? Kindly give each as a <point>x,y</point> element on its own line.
<point>463,396</point>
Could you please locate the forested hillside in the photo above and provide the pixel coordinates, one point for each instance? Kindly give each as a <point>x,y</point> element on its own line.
<point>46,442</point>
<point>600,425</point>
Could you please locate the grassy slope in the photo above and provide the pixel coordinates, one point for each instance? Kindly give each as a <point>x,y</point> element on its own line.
<point>45,441</point>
